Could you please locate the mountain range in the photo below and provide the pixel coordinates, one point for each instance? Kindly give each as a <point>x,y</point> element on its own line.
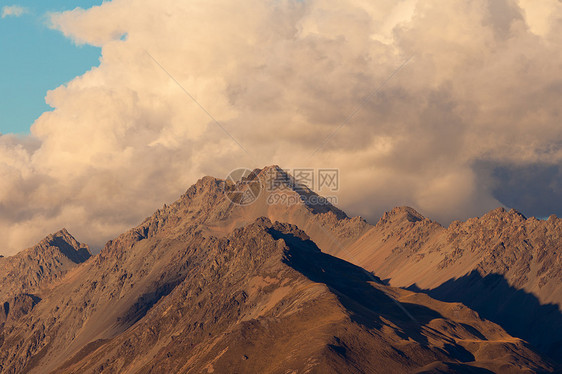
<point>210,285</point>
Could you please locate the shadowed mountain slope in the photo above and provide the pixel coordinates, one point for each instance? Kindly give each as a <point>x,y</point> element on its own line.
<point>267,300</point>
<point>206,285</point>
<point>505,266</point>
<point>169,297</point>
<point>403,247</point>
<point>519,312</point>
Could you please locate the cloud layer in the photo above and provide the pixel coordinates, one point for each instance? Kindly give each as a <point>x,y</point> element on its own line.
<point>13,11</point>
<point>483,86</point>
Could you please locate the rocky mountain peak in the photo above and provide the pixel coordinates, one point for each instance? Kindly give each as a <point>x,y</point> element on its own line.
<point>64,242</point>
<point>402,214</point>
<point>48,260</point>
<point>507,216</point>
<point>290,184</point>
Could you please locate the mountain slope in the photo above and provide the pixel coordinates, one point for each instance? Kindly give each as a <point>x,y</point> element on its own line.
<point>291,308</point>
<point>29,270</point>
<point>262,299</point>
<point>207,204</point>
<point>406,248</point>
<point>410,250</point>
<point>206,285</point>
<point>507,267</point>
<point>526,251</point>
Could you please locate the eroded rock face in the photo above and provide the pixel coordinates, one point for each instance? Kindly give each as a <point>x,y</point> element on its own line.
<point>32,268</point>
<point>526,251</point>
<point>403,247</point>
<point>27,276</point>
<point>262,299</point>
<point>204,285</point>
<point>206,208</point>
<point>506,266</point>
<point>17,307</point>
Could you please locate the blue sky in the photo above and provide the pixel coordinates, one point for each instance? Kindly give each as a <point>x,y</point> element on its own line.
<point>35,59</point>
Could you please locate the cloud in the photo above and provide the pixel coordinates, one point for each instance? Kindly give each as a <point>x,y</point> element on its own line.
<point>483,86</point>
<point>535,189</point>
<point>13,11</point>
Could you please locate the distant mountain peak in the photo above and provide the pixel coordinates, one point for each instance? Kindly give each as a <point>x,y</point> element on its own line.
<point>49,259</point>
<point>402,213</point>
<point>67,245</point>
<point>268,169</point>
<point>502,213</point>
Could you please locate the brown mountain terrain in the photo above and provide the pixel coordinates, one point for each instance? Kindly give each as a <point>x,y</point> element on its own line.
<point>27,275</point>
<point>505,266</point>
<point>262,299</point>
<point>205,285</point>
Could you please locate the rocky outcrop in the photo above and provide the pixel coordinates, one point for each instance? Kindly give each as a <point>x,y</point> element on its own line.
<point>33,268</point>
<point>17,307</point>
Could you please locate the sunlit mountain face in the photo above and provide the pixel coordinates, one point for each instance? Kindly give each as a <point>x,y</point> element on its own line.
<point>407,223</point>
<point>214,281</point>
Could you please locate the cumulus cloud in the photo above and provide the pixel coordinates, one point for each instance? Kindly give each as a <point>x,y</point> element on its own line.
<point>13,11</point>
<point>483,86</point>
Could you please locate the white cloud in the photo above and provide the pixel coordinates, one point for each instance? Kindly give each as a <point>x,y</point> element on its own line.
<point>483,85</point>
<point>13,11</point>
